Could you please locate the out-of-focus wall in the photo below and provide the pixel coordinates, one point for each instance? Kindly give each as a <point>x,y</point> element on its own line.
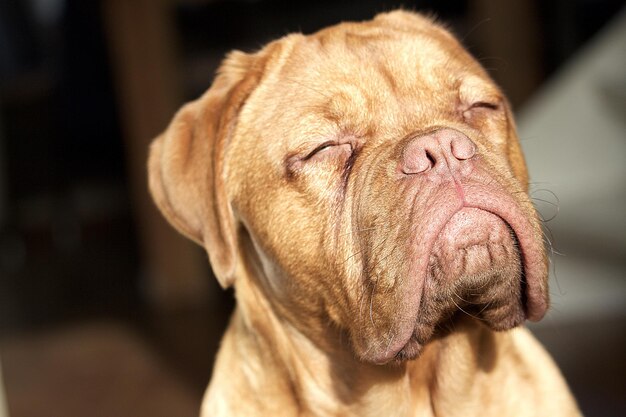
<point>574,134</point>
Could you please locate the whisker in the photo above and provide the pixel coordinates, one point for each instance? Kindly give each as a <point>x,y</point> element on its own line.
<point>361,251</point>
<point>357,231</point>
<point>548,239</point>
<point>459,297</point>
<point>555,204</point>
<point>556,280</point>
<point>469,314</point>
<point>372,302</point>
<point>362,301</point>
<point>487,305</point>
<point>393,335</point>
<point>371,268</point>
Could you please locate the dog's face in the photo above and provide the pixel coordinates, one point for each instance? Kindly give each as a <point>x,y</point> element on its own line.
<point>369,176</point>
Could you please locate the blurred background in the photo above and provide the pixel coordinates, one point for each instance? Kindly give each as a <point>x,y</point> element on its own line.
<point>106,311</point>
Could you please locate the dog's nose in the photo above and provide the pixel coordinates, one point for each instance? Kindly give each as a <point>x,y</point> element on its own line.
<point>443,148</point>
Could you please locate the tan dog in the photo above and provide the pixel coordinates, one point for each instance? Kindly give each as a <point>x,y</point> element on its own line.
<point>364,191</point>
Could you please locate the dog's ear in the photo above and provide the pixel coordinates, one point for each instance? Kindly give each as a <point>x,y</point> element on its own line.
<point>186,164</point>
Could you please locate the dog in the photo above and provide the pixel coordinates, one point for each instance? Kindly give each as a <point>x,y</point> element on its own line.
<point>364,191</point>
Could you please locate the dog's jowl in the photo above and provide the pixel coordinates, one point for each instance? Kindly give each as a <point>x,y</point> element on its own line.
<point>364,191</point>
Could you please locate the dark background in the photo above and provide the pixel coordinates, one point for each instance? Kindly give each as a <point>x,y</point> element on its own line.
<point>100,302</point>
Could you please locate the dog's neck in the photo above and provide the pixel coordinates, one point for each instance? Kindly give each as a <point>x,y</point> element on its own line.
<point>278,366</point>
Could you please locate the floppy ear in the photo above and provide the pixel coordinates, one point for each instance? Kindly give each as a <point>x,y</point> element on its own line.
<point>186,164</point>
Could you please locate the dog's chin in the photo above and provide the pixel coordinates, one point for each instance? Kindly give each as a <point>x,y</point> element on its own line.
<point>475,271</point>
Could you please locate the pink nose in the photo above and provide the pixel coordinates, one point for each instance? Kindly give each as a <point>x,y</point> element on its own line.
<point>443,148</point>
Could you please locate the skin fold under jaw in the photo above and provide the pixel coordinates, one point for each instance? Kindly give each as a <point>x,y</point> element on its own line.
<point>363,190</point>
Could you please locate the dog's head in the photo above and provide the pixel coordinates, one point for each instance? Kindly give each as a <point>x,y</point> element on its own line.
<point>370,175</point>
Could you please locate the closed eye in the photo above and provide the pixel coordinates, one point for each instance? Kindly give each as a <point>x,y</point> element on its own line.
<point>485,105</point>
<point>320,148</point>
<point>481,108</point>
<point>330,154</point>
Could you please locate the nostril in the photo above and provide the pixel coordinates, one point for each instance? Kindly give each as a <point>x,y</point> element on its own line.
<point>430,158</point>
<point>417,163</point>
<point>437,149</point>
<point>417,158</point>
<point>462,148</point>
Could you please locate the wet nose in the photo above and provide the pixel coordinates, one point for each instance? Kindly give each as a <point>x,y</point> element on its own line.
<point>443,148</point>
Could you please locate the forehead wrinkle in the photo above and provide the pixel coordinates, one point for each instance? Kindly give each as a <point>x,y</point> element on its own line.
<point>337,89</point>
<point>358,81</point>
<point>395,50</point>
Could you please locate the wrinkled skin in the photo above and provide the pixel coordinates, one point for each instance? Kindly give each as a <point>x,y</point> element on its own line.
<point>363,188</point>
<point>371,258</point>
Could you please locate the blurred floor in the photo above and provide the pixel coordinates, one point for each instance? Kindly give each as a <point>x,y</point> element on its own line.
<point>96,369</point>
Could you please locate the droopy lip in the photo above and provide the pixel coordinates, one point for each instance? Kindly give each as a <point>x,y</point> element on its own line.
<point>500,204</point>
<point>448,204</point>
<point>531,248</point>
